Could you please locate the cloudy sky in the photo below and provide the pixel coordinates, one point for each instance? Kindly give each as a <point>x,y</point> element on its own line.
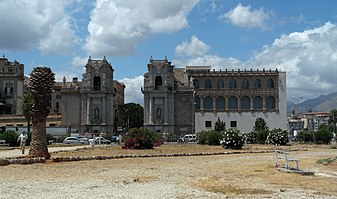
<point>298,37</point>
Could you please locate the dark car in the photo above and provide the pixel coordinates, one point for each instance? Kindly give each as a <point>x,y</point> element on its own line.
<point>115,138</point>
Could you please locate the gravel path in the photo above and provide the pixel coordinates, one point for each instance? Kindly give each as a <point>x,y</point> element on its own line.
<point>173,177</point>
<point>16,152</point>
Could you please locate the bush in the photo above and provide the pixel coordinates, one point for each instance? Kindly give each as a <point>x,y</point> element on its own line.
<point>251,137</point>
<point>232,139</point>
<point>278,137</point>
<point>305,136</point>
<point>11,138</point>
<point>141,139</point>
<point>323,136</point>
<point>213,137</point>
<point>262,136</point>
<point>201,137</point>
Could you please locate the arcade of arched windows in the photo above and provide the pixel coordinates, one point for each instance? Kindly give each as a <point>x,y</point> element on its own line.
<point>234,103</point>
<point>235,83</point>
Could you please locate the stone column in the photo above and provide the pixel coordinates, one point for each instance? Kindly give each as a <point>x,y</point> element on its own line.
<point>166,110</point>
<point>150,110</point>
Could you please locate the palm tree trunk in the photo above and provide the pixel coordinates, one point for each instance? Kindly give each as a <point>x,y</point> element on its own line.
<point>38,145</point>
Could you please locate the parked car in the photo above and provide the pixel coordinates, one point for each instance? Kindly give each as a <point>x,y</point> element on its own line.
<point>72,140</point>
<point>115,138</point>
<point>189,138</point>
<point>84,140</point>
<point>101,140</point>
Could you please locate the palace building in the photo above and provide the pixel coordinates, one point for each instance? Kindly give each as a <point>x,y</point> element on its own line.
<point>191,99</point>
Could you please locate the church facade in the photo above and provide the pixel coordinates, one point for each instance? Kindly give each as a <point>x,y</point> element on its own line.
<point>88,106</point>
<point>195,97</point>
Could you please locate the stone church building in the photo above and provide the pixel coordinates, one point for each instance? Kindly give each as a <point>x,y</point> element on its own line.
<point>86,106</point>
<point>191,99</point>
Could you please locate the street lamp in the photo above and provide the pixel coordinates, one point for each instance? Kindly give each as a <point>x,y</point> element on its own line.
<point>297,104</point>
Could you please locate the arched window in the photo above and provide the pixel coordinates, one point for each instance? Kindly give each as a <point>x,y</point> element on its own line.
<point>208,83</point>
<point>97,83</point>
<point>257,83</point>
<point>220,84</point>
<point>270,103</point>
<point>233,103</point>
<point>245,103</point>
<point>232,83</point>
<point>220,103</point>
<point>197,103</point>
<point>208,103</point>
<point>270,83</point>
<point>258,104</point>
<point>196,83</point>
<point>96,113</point>
<point>158,83</point>
<point>158,113</point>
<point>245,84</point>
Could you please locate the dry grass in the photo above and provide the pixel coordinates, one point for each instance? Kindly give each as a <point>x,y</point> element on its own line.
<point>248,175</point>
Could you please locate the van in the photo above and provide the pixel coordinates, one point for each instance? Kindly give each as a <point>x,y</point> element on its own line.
<point>189,138</point>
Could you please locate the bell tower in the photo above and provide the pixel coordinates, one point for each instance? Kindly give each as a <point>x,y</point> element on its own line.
<point>159,96</point>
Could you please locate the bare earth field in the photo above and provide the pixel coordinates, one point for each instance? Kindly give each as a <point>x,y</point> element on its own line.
<point>213,176</point>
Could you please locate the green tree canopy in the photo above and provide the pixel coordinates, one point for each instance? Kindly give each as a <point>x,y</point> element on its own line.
<point>260,124</point>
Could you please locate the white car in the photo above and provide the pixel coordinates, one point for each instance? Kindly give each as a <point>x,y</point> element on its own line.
<point>101,140</point>
<point>72,140</point>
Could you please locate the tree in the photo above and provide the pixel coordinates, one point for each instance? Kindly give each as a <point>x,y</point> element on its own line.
<point>129,116</point>
<point>219,125</point>
<point>41,82</point>
<point>26,107</point>
<point>260,124</point>
<point>261,130</point>
<point>333,120</point>
<point>135,113</point>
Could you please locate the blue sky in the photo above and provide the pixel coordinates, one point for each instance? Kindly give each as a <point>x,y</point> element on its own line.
<point>298,37</point>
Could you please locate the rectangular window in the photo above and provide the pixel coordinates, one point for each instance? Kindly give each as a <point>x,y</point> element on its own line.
<point>234,124</point>
<point>58,96</point>
<point>208,124</point>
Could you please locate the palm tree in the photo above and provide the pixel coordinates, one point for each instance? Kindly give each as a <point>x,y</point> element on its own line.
<point>41,82</point>
<point>26,107</point>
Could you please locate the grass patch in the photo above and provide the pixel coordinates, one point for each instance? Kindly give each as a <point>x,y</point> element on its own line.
<point>214,184</point>
<point>326,161</point>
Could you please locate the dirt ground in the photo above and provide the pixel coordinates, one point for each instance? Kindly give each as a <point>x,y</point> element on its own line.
<point>213,176</point>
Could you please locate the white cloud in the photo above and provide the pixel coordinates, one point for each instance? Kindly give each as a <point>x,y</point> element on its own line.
<point>36,23</point>
<point>216,62</point>
<point>244,16</point>
<point>308,57</point>
<point>195,48</point>
<point>132,91</point>
<point>116,28</point>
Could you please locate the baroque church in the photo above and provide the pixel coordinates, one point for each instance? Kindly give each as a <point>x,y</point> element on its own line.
<point>191,99</point>
<point>86,106</point>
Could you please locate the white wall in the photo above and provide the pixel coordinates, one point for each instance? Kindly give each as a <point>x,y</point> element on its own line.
<point>246,120</point>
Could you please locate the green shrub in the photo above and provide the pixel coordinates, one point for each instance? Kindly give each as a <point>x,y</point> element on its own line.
<point>262,135</point>
<point>305,136</point>
<point>232,139</point>
<point>213,137</point>
<point>142,138</point>
<point>323,136</point>
<point>201,137</point>
<point>251,137</point>
<point>278,137</point>
<point>11,137</point>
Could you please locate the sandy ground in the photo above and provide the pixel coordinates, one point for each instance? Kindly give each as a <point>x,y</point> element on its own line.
<point>217,176</point>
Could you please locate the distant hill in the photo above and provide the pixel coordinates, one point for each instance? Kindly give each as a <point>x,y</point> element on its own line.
<point>323,103</point>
